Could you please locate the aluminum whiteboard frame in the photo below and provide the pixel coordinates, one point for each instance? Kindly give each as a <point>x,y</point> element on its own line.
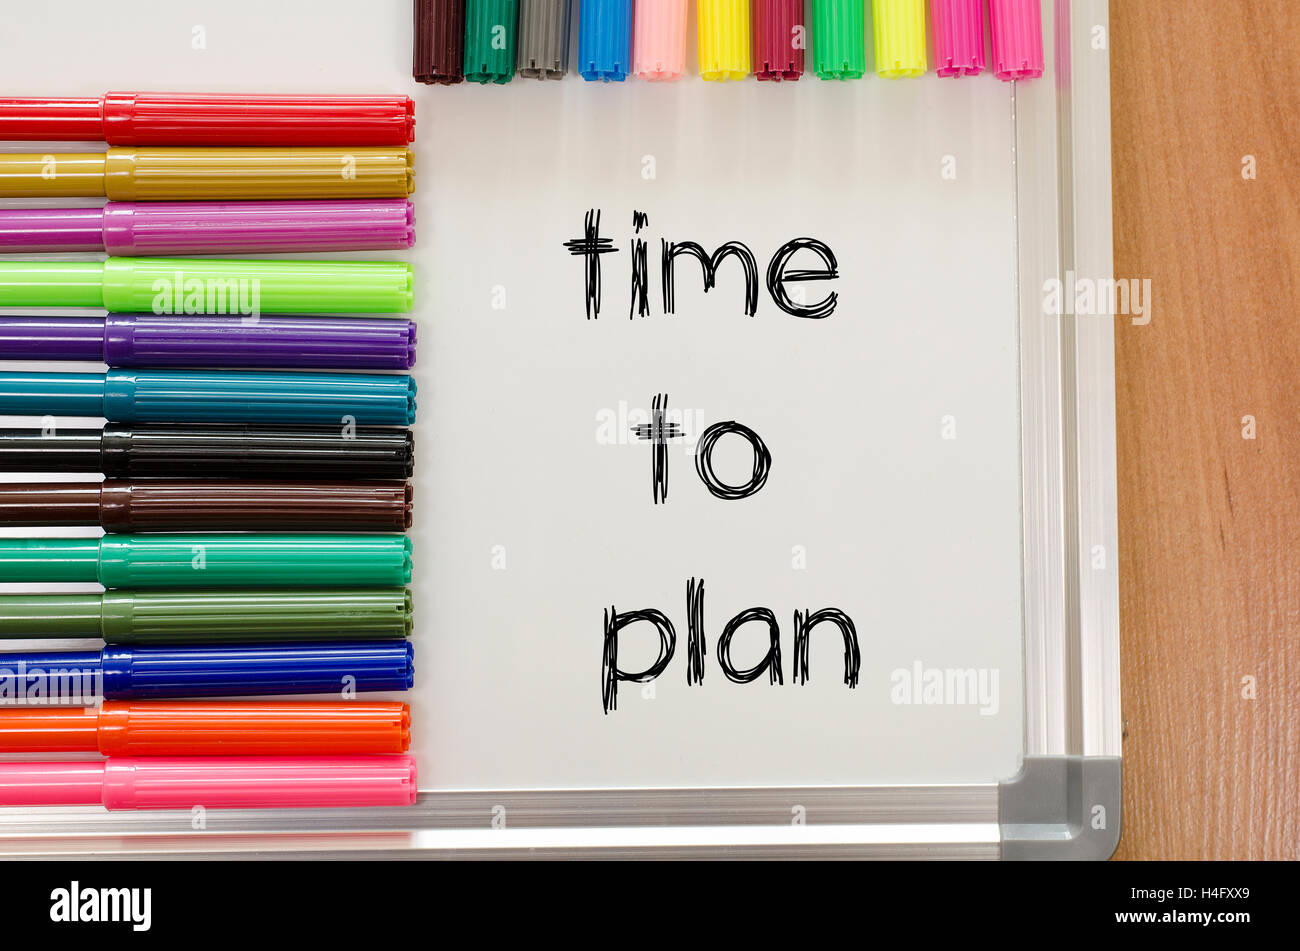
<point>1071,618</point>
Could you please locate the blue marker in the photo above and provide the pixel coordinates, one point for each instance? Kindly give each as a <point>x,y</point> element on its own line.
<point>604,40</point>
<point>133,673</point>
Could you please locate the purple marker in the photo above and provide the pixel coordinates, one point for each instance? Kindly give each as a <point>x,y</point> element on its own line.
<point>148,340</point>
<point>128,228</point>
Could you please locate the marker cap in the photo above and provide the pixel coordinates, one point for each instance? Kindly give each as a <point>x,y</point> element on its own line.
<point>604,40</point>
<point>254,615</point>
<point>839,39</point>
<point>257,227</point>
<point>171,561</point>
<point>724,41</point>
<point>958,30</point>
<point>1017,31</point>
<point>544,38</point>
<point>134,285</point>
<point>439,46</point>
<point>779,39</point>
<point>490,28</point>
<point>899,28</point>
<point>248,670</point>
<point>659,39</point>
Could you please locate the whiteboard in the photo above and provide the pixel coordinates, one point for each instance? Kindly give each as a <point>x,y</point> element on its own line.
<point>893,424</point>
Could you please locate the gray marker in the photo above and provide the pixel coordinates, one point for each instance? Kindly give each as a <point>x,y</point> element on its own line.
<point>543,38</point>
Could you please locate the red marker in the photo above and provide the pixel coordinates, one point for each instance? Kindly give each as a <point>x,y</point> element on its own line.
<point>151,118</point>
<point>209,728</point>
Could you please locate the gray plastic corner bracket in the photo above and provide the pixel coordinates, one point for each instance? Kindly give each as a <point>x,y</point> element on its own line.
<point>1061,807</point>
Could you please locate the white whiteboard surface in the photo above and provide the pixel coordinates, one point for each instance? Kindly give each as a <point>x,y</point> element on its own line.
<point>915,536</point>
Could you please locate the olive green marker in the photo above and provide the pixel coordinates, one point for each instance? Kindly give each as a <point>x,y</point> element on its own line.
<point>200,616</point>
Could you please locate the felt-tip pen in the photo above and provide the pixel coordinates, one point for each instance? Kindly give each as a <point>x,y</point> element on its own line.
<point>229,451</point>
<point>208,505</point>
<point>168,118</point>
<point>224,782</point>
<point>209,728</point>
<point>79,678</point>
<point>167,396</point>
<point>145,173</point>
<point>209,560</point>
<point>211,616</point>
<point>130,228</point>
<point>170,340</point>
<point>246,288</point>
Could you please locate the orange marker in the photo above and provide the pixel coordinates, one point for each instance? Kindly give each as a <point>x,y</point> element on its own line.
<point>196,728</point>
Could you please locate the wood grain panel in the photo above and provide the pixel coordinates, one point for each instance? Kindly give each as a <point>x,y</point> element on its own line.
<point>1209,521</point>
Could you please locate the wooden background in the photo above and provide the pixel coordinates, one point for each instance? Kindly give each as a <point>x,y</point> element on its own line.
<point>1209,521</point>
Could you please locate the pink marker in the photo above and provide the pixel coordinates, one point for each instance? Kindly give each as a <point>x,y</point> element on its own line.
<point>958,27</point>
<point>1017,29</point>
<point>226,782</point>
<point>659,39</point>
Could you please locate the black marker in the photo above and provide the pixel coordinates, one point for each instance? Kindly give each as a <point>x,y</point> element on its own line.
<point>235,451</point>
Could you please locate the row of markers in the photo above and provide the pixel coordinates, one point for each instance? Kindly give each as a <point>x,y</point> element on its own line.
<point>491,41</point>
<point>255,507</point>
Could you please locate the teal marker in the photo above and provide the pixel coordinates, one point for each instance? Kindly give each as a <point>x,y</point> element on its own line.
<point>190,396</point>
<point>209,561</point>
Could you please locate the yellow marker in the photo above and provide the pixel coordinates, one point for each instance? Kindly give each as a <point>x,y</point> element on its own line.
<point>724,39</point>
<point>899,27</point>
<point>160,174</point>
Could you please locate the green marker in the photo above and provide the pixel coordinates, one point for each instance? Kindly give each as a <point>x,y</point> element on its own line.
<point>209,561</point>
<point>175,617</point>
<point>490,27</point>
<point>202,286</point>
<point>839,34</point>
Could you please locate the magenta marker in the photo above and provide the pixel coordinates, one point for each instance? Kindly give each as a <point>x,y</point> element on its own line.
<point>958,34</point>
<point>1017,31</point>
<point>128,228</point>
